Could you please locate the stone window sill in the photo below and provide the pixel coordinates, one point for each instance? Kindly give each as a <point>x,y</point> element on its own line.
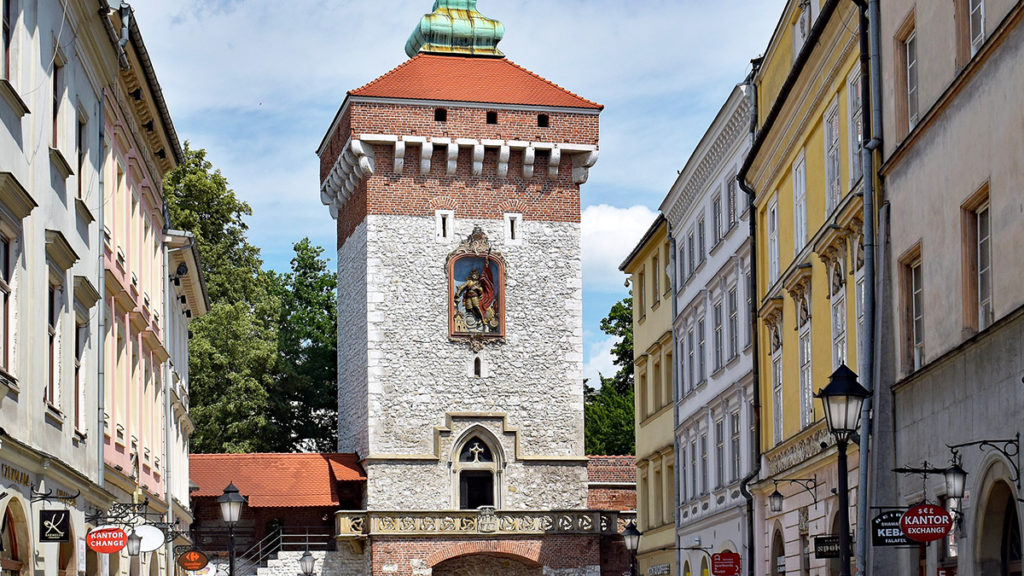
<point>10,94</point>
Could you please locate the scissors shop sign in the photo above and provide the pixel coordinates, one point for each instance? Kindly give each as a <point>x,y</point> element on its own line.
<point>54,526</point>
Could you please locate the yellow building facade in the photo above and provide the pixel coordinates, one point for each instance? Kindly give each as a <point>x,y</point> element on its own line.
<point>648,267</point>
<point>805,174</point>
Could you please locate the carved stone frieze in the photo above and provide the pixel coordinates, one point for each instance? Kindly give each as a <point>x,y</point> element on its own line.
<point>799,451</point>
<point>487,520</point>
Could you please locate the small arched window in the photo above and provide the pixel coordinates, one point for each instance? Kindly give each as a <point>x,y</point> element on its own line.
<point>476,472</point>
<point>477,367</point>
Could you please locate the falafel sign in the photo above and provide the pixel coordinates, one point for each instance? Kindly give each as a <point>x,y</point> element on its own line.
<point>926,522</point>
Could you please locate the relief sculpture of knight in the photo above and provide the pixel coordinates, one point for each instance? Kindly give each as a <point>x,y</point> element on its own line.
<point>476,284</point>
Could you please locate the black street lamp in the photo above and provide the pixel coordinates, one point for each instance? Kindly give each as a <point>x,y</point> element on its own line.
<point>842,400</point>
<point>631,536</point>
<point>231,510</point>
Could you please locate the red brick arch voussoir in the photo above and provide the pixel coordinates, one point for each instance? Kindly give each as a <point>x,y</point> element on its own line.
<point>527,552</point>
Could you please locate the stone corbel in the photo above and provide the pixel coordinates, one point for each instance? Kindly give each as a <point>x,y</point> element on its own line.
<point>581,165</point>
<point>503,155</point>
<point>555,160</point>
<point>529,155</point>
<point>453,158</point>
<point>478,159</point>
<point>353,166</point>
<point>399,157</point>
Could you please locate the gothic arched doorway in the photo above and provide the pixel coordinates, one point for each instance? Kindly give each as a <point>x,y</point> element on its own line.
<point>999,547</point>
<point>487,565</point>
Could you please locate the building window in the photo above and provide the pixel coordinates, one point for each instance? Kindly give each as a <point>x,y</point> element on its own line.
<point>730,190</point>
<point>806,383</point>
<point>719,453</point>
<point>641,392</point>
<point>682,473</point>
<point>856,127</point>
<point>734,323</point>
<point>776,385</point>
<point>444,225</point>
<point>440,115</point>
<point>52,326</point>
<point>641,290</point>
<point>81,335</point>
<point>656,388</point>
<point>748,327</point>
<point>492,117</point>
<point>837,290</point>
<point>913,305</point>
<point>773,242</point>
<point>690,260</point>
<point>513,229</point>
<point>692,359</point>
<point>704,463</point>
<point>832,165</point>
<point>57,93</point>
<point>719,338</point>
<point>701,352</point>
<point>701,239</point>
<point>476,473</point>
<point>655,280</point>
<point>734,424</point>
<point>716,221</point>
<point>667,268</point>
<point>910,58</point>
<point>977,19</point>
<point>693,468</point>
<point>681,264</point>
<point>858,281</point>
<point>984,259</point>
<point>654,505</point>
<point>5,302</point>
<point>799,203</point>
<point>977,261</point>
<point>7,37</point>
<point>543,121</point>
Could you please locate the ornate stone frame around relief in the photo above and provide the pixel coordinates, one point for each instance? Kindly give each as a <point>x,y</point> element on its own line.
<point>476,245</point>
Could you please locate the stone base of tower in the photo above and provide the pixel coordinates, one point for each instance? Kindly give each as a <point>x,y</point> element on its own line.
<point>483,542</point>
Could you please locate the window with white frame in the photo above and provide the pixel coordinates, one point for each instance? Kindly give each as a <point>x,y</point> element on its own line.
<point>693,468</point>
<point>804,350</point>
<point>701,239</point>
<point>832,164</point>
<point>6,37</point>
<point>799,203</point>
<point>701,351</point>
<point>915,279</point>
<point>856,127</point>
<point>977,18</point>
<point>81,335</point>
<point>53,315</point>
<point>681,264</point>
<point>858,282</point>
<point>730,191</point>
<point>692,357</point>
<point>704,487</point>
<point>734,448</point>
<point>690,246</point>
<point>773,242</point>
<point>716,220</point>
<point>719,337</point>
<point>776,342</point>
<point>748,328</point>
<point>837,295</point>
<point>5,302</point>
<point>732,302</point>
<point>910,58</point>
<point>719,453</point>
<point>444,225</point>
<point>683,487</point>
<point>984,259</point>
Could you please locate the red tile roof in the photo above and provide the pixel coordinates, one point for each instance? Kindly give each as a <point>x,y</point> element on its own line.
<point>276,480</point>
<point>611,469</point>
<point>470,79</point>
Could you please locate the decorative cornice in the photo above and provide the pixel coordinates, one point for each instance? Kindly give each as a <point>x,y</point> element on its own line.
<point>356,162</point>
<point>14,196</point>
<point>59,250</point>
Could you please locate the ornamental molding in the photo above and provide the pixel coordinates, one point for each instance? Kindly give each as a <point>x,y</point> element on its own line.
<point>360,525</point>
<point>355,164</point>
<point>711,157</point>
<point>796,452</point>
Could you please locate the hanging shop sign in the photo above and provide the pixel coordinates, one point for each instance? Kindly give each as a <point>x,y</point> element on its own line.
<point>926,522</point>
<point>193,560</point>
<point>106,539</point>
<point>828,546</point>
<point>725,564</point>
<point>886,531</point>
<point>54,526</point>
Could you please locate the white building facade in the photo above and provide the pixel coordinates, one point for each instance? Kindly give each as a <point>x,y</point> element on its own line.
<point>707,215</point>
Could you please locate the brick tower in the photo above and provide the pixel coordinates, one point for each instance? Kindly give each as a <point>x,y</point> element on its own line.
<point>455,182</point>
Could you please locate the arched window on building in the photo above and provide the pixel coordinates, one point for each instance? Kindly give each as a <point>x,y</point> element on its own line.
<point>477,473</point>
<point>12,553</point>
<point>778,558</point>
<point>999,547</point>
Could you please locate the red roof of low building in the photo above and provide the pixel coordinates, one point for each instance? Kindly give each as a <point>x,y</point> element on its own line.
<point>470,79</point>
<point>276,480</point>
<point>611,469</point>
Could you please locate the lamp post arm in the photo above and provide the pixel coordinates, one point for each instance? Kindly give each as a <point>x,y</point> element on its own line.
<point>1009,447</point>
<point>810,485</point>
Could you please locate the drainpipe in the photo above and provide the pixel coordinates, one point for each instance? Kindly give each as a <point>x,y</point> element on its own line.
<point>868,88</point>
<point>101,312</point>
<point>676,377</point>
<point>165,333</point>
<point>755,450</point>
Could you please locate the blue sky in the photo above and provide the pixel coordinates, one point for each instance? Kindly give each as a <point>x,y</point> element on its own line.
<point>257,83</point>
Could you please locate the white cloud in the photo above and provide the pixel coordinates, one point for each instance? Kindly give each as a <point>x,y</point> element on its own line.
<point>599,361</point>
<point>609,235</point>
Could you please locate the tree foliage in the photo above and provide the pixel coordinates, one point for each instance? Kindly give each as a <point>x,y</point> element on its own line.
<point>258,359</point>
<point>608,413</point>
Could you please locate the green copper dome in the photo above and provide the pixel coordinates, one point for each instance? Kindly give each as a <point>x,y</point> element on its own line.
<point>455,27</point>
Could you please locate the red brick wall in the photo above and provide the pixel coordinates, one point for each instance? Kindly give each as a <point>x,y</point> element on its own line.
<point>557,551</point>
<point>611,498</point>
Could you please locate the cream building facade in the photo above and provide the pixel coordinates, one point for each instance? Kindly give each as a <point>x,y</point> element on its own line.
<point>85,140</point>
<point>649,267</point>
<point>708,216</point>
<point>953,296</point>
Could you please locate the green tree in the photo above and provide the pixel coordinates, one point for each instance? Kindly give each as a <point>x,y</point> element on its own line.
<point>306,405</point>
<point>608,412</point>
<point>233,358</point>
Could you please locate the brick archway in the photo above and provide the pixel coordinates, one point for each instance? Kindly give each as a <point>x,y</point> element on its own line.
<point>487,565</point>
<point>526,552</point>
